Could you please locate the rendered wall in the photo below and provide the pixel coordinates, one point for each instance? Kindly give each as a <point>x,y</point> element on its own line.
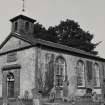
<point>27,59</point>
<point>2,62</point>
<point>25,74</point>
<point>71,62</point>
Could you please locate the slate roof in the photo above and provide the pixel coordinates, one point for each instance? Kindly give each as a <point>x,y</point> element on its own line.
<point>22,17</point>
<point>33,41</point>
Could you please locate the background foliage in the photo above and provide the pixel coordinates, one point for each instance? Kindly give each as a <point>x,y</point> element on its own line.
<point>67,33</point>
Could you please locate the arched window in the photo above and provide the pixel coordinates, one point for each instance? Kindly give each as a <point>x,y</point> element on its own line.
<point>96,75</point>
<point>10,85</point>
<point>60,71</point>
<point>80,74</point>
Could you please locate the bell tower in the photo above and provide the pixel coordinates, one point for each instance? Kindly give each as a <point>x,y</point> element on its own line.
<point>22,24</point>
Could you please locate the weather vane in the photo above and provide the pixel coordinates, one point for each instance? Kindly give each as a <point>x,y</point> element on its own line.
<point>23,6</point>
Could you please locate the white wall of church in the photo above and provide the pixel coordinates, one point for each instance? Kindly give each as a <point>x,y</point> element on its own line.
<point>71,70</point>
<point>27,72</point>
<point>2,62</point>
<point>25,58</point>
<point>13,43</point>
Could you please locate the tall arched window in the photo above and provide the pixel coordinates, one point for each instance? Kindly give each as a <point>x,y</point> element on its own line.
<point>96,75</point>
<point>60,71</point>
<point>10,85</point>
<point>80,74</point>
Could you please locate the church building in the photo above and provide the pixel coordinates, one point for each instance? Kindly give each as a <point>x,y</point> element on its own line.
<point>28,63</point>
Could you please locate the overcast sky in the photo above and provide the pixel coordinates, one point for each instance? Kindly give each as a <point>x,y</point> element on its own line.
<point>90,14</point>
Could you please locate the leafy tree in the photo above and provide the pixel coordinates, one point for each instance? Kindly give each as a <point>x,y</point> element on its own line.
<point>42,33</point>
<point>39,31</point>
<point>69,33</point>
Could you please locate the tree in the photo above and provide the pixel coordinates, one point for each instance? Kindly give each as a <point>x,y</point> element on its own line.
<point>42,33</point>
<point>39,31</point>
<point>69,33</point>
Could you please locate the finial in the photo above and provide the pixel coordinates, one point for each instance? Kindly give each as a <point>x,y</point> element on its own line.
<point>23,7</point>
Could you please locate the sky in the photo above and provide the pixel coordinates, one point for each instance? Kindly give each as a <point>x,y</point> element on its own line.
<point>90,14</point>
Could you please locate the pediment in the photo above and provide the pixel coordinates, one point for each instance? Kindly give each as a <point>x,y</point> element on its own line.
<point>13,43</point>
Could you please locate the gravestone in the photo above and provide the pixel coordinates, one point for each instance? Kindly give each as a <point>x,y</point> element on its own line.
<point>36,97</point>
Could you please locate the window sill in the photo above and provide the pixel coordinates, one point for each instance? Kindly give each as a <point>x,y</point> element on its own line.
<point>11,98</point>
<point>97,87</point>
<point>81,87</point>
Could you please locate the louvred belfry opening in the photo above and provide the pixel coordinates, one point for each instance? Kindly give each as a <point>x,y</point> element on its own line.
<point>22,24</point>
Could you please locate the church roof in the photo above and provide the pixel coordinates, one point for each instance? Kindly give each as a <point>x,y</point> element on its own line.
<point>22,17</point>
<point>55,46</point>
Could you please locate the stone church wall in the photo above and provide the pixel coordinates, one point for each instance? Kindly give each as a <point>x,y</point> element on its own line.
<point>2,62</point>
<point>27,60</point>
<point>26,74</point>
<point>71,62</point>
<point>13,43</point>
